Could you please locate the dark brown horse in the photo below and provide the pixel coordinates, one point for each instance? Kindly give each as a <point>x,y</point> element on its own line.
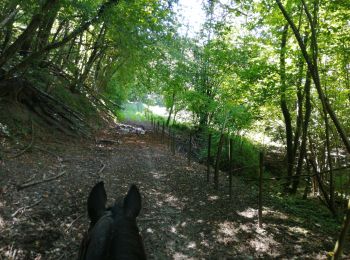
<point>113,233</point>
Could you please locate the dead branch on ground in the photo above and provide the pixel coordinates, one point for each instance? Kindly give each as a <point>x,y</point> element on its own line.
<point>32,183</point>
<point>101,169</point>
<point>72,223</point>
<point>21,209</point>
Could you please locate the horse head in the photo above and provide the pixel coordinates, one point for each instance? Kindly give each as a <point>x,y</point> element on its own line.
<point>113,233</point>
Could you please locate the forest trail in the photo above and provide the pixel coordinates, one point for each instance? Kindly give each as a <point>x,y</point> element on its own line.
<point>182,216</point>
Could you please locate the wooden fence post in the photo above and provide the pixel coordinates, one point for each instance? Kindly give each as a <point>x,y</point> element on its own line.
<point>169,137</point>
<point>230,165</point>
<point>208,157</point>
<point>173,143</point>
<point>261,166</point>
<point>189,150</point>
<point>217,163</point>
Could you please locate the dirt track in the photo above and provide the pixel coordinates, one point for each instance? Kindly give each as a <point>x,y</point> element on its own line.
<point>182,216</point>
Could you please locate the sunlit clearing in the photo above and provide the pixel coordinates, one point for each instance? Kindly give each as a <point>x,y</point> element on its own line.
<point>262,138</point>
<point>158,110</point>
<point>248,213</point>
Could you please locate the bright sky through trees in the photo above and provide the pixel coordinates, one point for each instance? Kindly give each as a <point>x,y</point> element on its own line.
<point>191,15</point>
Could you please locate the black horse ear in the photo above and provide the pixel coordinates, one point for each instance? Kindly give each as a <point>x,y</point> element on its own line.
<point>132,202</point>
<point>96,203</point>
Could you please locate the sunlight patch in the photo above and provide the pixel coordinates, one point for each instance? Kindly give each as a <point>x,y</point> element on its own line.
<point>12,253</point>
<point>280,215</point>
<point>179,255</point>
<point>213,198</point>
<point>205,243</point>
<point>265,244</point>
<point>227,232</point>
<point>157,175</point>
<point>248,213</point>
<point>173,230</point>
<point>192,245</point>
<point>298,230</point>
<point>173,201</point>
<point>150,230</point>
<point>259,245</point>
<point>2,222</point>
<point>171,198</point>
<point>245,227</point>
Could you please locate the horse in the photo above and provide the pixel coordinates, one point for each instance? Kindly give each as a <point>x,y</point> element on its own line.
<point>113,233</point>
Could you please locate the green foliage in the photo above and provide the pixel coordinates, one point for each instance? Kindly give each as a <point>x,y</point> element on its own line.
<point>77,102</point>
<point>245,153</point>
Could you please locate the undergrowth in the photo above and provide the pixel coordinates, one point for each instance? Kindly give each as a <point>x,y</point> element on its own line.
<point>309,212</point>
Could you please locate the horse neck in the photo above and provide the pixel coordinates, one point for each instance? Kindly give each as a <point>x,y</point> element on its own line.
<point>127,242</point>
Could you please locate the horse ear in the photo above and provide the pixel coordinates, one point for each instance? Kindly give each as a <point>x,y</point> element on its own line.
<point>132,202</point>
<point>96,203</point>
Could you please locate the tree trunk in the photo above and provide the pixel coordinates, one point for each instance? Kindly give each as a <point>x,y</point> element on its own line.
<point>284,107</point>
<point>94,54</point>
<point>217,162</point>
<point>9,17</point>
<point>27,33</point>
<point>35,55</point>
<point>8,35</point>
<point>330,165</point>
<point>171,109</point>
<point>60,26</point>
<point>45,28</point>
<point>322,188</point>
<point>313,68</point>
<point>338,250</point>
<point>299,120</point>
<point>302,152</point>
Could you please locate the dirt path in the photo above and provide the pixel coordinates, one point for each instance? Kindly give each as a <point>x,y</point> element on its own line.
<point>182,216</point>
